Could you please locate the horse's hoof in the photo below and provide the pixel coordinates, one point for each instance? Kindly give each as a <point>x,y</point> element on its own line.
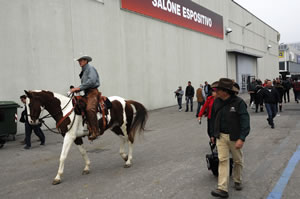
<point>127,165</point>
<point>55,182</point>
<point>126,158</point>
<point>85,172</point>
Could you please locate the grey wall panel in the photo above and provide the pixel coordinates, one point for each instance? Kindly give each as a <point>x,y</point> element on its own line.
<point>137,57</point>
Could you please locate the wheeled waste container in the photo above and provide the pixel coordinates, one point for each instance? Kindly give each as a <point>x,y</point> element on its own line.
<point>8,120</point>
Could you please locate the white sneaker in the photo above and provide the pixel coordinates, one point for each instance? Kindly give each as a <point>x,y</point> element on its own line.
<point>180,110</point>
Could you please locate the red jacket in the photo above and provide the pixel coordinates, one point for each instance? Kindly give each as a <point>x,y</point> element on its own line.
<point>207,106</point>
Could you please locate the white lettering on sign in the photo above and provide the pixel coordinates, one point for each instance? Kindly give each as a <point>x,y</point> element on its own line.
<point>174,8</point>
<point>168,6</point>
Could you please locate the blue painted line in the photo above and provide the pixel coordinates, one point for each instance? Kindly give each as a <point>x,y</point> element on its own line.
<point>286,175</point>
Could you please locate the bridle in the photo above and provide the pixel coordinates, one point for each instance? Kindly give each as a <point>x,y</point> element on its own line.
<point>41,120</point>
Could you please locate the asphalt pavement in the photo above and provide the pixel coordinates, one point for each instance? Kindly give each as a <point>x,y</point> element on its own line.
<point>168,162</point>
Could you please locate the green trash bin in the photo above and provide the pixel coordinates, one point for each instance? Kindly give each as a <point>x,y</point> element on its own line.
<point>8,118</point>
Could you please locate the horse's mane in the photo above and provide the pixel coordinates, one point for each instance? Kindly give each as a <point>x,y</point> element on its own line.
<point>52,105</point>
<point>47,99</point>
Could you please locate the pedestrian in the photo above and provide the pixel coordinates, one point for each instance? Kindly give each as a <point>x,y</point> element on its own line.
<point>179,93</point>
<point>200,98</point>
<point>296,89</point>
<point>251,91</point>
<point>28,128</point>
<point>230,127</point>
<point>207,89</point>
<point>287,86</point>
<point>89,84</point>
<point>280,89</point>
<point>189,95</point>
<point>206,110</point>
<point>258,100</point>
<point>271,99</point>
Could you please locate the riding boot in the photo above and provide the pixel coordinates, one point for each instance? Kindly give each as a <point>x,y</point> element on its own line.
<point>93,133</point>
<point>91,114</point>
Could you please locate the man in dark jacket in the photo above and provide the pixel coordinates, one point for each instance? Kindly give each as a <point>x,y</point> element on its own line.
<point>280,89</point>
<point>287,86</point>
<point>271,98</point>
<point>207,89</point>
<point>28,128</point>
<point>231,126</point>
<point>189,95</point>
<point>251,91</point>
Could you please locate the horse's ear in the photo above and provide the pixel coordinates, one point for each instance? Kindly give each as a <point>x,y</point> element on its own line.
<point>28,94</point>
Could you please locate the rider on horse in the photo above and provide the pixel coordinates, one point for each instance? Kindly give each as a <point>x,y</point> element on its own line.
<point>89,84</point>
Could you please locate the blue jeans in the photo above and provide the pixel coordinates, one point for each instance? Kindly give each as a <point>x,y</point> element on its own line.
<point>272,111</point>
<point>179,100</point>
<point>189,99</point>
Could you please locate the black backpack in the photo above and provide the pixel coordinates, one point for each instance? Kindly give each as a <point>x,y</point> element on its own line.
<point>212,160</point>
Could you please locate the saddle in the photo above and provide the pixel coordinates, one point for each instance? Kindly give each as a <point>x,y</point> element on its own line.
<point>80,103</point>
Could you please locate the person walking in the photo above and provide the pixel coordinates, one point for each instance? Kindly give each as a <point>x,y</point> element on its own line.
<point>178,94</point>
<point>280,89</point>
<point>189,95</point>
<point>271,99</point>
<point>251,91</point>
<point>89,84</point>
<point>296,89</point>
<point>206,111</point>
<point>28,128</point>
<point>207,89</point>
<point>200,98</point>
<point>258,100</point>
<point>230,127</point>
<point>287,86</point>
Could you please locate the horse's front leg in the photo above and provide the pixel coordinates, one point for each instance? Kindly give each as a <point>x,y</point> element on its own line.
<point>68,140</point>
<point>83,152</point>
<point>122,148</point>
<point>130,149</point>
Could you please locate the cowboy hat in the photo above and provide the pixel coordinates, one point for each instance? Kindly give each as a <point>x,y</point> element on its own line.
<point>225,83</point>
<point>86,57</point>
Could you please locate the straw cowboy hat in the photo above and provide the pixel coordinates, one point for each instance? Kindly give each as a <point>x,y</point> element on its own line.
<point>86,57</point>
<point>227,84</point>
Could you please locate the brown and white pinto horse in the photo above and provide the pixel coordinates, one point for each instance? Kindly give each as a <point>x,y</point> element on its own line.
<point>125,118</point>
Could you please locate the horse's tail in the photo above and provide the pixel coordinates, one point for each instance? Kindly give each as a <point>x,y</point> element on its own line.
<point>140,119</point>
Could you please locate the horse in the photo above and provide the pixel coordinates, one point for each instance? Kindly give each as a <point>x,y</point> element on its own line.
<point>125,118</point>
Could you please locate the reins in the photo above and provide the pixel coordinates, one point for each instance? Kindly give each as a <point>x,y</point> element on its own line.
<point>41,120</point>
<point>49,115</point>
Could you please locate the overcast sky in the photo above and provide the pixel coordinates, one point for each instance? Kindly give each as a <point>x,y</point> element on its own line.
<point>282,15</point>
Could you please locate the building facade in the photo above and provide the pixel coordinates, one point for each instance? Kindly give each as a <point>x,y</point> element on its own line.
<point>289,60</point>
<point>138,55</point>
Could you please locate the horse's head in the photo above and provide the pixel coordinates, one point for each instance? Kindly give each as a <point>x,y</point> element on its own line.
<point>34,107</point>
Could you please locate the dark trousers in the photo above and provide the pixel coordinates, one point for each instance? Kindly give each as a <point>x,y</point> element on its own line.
<point>199,107</point>
<point>272,111</point>
<point>261,105</point>
<point>189,100</point>
<point>208,126</point>
<point>286,95</point>
<point>38,132</point>
<point>296,94</point>
<point>179,101</point>
<point>252,97</point>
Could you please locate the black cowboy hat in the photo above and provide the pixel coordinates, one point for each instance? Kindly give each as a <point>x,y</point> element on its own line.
<point>227,84</point>
<point>86,57</point>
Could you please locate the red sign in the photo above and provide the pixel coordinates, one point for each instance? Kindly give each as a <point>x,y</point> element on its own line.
<point>183,13</point>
